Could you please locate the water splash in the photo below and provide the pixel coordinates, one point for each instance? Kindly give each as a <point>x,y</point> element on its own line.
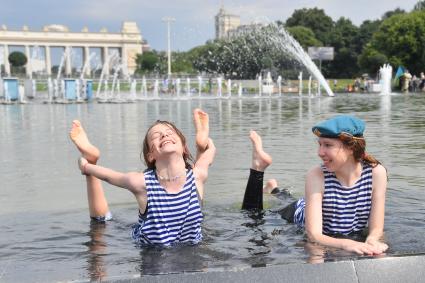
<point>385,73</point>
<point>285,42</point>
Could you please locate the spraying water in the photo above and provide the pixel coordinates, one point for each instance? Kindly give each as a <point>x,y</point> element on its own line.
<point>385,73</point>
<point>275,37</point>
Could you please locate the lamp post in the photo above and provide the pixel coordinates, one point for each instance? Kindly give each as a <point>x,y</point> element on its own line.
<point>168,20</point>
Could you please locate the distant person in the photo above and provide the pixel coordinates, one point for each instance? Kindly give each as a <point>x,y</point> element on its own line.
<point>168,193</point>
<point>406,81</point>
<point>344,196</point>
<point>422,81</point>
<point>357,85</point>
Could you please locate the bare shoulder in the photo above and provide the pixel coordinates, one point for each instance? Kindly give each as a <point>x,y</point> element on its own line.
<point>314,180</point>
<point>315,172</point>
<point>379,171</point>
<point>379,179</point>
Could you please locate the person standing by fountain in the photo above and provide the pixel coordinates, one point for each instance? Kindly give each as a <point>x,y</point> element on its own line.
<point>169,192</point>
<point>406,78</point>
<point>344,197</point>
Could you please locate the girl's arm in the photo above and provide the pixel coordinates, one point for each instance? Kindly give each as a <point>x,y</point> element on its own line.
<point>202,164</point>
<point>313,218</point>
<point>377,212</point>
<point>131,181</point>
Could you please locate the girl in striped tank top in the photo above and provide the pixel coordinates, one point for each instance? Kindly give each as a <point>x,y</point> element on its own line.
<point>343,196</point>
<point>170,191</point>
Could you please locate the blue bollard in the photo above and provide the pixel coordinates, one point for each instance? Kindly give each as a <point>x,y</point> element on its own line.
<point>89,89</point>
<point>70,89</point>
<point>11,88</point>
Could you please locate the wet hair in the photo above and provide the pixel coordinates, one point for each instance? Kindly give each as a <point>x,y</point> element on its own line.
<point>187,157</point>
<point>358,146</point>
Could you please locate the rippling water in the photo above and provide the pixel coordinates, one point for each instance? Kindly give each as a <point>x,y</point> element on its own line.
<point>44,225</point>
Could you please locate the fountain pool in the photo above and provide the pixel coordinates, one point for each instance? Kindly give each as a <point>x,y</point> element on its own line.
<point>45,231</point>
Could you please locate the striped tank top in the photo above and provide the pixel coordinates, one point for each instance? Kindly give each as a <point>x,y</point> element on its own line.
<point>169,218</point>
<point>344,209</point>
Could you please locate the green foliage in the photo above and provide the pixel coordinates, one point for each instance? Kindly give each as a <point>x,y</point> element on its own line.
<point>314,19</point>
<point>17,59</point>
<point>343,38</point>
<point>304,36</point>
<point>402,39</point>
<point>366,31</point>
<point>147,62</point>
<point>394,12</point>
<point>370,60</point>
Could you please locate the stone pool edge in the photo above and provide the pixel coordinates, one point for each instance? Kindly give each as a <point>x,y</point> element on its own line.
<point>388,269</point>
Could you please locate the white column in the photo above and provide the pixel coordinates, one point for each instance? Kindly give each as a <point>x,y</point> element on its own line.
<point>105,60</point>
<point>6,60</point>
<point>86,60</point>
<point>124,60</point>
<point>48,61</point>
<point>28,67</point>
<point>68,66</point>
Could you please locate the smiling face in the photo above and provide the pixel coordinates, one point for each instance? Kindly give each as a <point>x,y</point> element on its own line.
<point>333,153</point>
<point>164,138</point>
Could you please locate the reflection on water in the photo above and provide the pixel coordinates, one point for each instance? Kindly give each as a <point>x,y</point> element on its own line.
<point>44,224</point>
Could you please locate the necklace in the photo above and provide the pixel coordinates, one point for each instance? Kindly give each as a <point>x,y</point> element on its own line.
<point>168,178</point>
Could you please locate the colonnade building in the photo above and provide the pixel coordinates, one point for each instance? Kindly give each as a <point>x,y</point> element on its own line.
<point>127,43</point>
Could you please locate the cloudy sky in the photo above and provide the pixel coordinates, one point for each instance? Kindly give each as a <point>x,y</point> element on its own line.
<point>194,19</point>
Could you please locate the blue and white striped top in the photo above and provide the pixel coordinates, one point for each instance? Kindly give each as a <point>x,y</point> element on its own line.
<point>344,209</point>
<point>169,218</point>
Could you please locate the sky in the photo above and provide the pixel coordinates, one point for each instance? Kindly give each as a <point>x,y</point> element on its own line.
<point>194,19</point>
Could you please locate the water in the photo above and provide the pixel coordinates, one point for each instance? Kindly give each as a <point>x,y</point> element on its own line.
<point>385,73</point>
<point>45,231</point>
<point>276,38</point>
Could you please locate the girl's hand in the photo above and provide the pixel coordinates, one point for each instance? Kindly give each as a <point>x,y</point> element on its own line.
<point>382,247</point>
<point>362,248</point>
<point>82,163</point>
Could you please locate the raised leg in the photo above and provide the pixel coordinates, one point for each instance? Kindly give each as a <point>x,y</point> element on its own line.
<point>201,121</point>
<point>98,206</point>
<point>253,198</point>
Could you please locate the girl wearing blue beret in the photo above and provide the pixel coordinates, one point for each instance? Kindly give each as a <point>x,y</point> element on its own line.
<point>344,196</point>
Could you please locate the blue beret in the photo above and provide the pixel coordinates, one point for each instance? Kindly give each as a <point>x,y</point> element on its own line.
<point>333,127</point>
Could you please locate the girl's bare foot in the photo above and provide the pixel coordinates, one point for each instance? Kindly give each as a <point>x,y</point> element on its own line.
<point>201,121</point>
<point>80,139</point>
<point>270,185</point>
<point>260,159</point>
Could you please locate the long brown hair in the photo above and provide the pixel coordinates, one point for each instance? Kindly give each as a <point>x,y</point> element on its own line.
<point>358,146</point>
<point>187,157</point>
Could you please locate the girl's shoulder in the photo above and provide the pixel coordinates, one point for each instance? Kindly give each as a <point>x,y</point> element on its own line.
<point>314,180</point>
<point>379,171</point>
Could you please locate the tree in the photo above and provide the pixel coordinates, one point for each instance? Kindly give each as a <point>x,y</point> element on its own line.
<point>304,36</point>
<point>370,60</point>
<point>366,31</point>
<point>314,19</point>
<point>17,59</point>
<point>394,12</point>
<point>343,39</point>
<point>147,62</point>
<point>401,38</point>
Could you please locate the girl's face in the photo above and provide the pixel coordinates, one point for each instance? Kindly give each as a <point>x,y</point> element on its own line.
<point>333,153</point>
<point>163,139</point>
